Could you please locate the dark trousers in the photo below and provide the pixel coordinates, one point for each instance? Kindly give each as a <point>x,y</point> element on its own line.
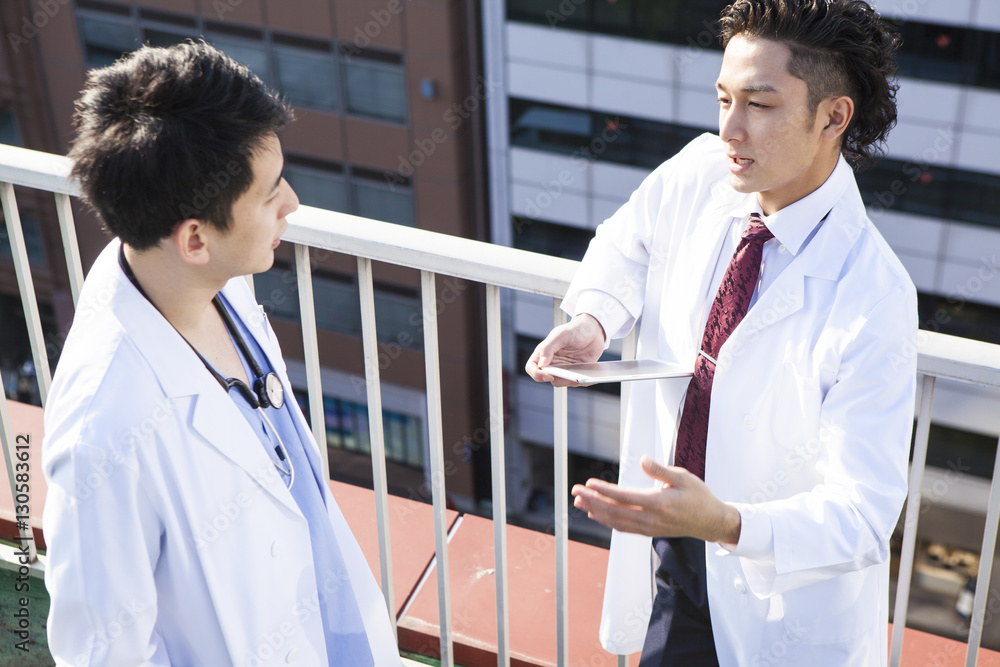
<point>680,627</point>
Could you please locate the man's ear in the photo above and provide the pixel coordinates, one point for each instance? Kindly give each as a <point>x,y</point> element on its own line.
<point>190,241</point>
<point>838,112</point>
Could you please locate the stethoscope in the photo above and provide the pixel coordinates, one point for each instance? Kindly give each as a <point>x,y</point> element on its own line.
<point>267,391</point>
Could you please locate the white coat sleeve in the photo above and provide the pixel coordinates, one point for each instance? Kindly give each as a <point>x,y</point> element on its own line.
<point>844,523</point>
<point>611,281</point>
<point>103,538</point>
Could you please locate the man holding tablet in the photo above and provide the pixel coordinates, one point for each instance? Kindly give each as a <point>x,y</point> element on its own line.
<point>770,486</point>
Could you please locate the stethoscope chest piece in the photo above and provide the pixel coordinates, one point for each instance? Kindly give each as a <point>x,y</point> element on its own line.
<point>273,391</point>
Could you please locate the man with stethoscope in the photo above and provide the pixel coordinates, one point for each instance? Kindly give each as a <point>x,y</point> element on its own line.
<point>211,538</point>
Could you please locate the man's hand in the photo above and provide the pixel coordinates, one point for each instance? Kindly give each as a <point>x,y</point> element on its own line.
<point>683,507</point>
<point>579,341</point>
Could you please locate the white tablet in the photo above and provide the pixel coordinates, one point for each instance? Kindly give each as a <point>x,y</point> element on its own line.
<point>618,371</point>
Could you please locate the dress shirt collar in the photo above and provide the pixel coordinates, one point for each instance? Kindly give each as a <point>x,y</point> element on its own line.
<point>794,224</point>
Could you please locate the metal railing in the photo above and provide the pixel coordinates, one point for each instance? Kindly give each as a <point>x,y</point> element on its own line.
<point>496,267</point>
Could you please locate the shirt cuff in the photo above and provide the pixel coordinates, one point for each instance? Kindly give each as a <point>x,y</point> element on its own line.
<point>607,310</point>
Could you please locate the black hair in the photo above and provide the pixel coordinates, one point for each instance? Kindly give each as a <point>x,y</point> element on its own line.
<point>838,47</point>
<point>167,134</point>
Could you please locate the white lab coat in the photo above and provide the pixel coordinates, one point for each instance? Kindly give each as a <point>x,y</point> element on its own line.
<point>171,537</point>
<point>809,431</point>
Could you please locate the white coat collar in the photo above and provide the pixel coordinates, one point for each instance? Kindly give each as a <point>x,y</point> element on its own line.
<point>181,373</point>
<point>834,218</point>
<point>795,224</point>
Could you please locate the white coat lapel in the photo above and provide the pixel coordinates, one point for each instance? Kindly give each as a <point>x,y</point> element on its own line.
<point>181,374</point>
<point>822,258</point>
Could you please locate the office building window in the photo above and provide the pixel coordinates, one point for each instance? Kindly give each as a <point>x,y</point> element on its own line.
<point>338,305</point>
<point>322,187</point>
<point>347,429</point>
<point>314,74</point>
<point>550,238</point>
<point>365,192</point>
<point>249,52</point>
<point>903,186</point>
<point>949,53</point>
<point>34,245</point>
<point>961,451</point>
<point>375,89</point>
<point>956,316</point>
<point>307,77</point>
<point>9,134</point>
<point>595,135</point>
<point>106,38</point>
<point>659,20</point>
<point>337,301</point>
<point>157,37</point>
<point>376,200</point>
<point>930,51</point>
<point>939,192</point>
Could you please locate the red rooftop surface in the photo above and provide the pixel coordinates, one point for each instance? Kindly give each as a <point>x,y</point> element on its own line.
<point>531,584</point>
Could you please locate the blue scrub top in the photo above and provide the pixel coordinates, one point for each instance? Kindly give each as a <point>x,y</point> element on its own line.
<point>346,640</point>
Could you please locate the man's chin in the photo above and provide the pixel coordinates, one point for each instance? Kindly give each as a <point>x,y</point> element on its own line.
<point>741,185</point>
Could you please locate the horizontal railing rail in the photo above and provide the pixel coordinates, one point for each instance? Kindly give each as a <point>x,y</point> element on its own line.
<point>433,254</point>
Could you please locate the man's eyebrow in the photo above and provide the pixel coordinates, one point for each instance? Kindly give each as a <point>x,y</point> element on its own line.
<point>758,88</point>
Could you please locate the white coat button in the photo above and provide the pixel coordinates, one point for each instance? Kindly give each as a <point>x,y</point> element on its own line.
<point>292,656</point>
<point>275,549</point>
<point>740,586</point>
<point>749,423</point>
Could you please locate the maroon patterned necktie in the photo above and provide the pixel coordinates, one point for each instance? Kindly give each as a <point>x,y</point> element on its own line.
<point>728,310</point>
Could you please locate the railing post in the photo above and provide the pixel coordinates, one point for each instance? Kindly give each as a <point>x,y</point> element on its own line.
<point>310,349</point>
<point>370,341</point>
<point>910,522</point>
<point>628,353</point>
<point>67,228</point>
<point>985,567</point>
<point>560,452</point>
<point>22,268</point>
<point>435,432</point>
<point>494,355</point>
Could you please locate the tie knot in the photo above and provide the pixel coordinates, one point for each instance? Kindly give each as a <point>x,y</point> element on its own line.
<point>756,230</point>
